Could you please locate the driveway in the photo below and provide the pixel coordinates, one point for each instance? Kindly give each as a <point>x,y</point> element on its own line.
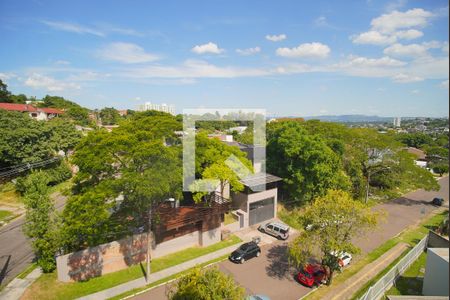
<point>270,274</point>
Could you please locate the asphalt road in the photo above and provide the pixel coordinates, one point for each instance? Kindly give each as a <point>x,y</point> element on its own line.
<point>15,249</point>
<point>270,274</point>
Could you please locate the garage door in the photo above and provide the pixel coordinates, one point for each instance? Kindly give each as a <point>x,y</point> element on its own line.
<point>261,211</point>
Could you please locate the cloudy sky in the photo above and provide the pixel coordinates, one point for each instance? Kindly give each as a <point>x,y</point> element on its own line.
<point>389,58</point>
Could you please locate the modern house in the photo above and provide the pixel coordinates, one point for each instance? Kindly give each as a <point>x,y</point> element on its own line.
<point>44,113</point>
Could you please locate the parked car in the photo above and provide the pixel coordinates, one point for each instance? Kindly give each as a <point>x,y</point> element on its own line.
<point>276,229</point>
<point>245,252</point>
<point>437,201</point>
<point>257,297</point>
<point>344,258</point>
<point>312,275</point>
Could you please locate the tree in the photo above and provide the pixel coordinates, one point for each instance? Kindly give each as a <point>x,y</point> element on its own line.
<point>333,222</point>
<point>25,140</point>
<point>440,168</point>
<point>213,161</point>
<point>109,116</point>
<point>131,163</point>
<point>41,222</point>
<point>208,284</point>
<point>4,93</point>
<point>308,166</point>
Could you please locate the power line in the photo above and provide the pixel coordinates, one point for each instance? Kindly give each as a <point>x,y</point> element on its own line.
<point>25,167</point>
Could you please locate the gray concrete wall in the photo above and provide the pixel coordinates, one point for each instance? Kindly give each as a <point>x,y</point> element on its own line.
<point>437,241</point>
<point>436,281</point>
<point>210,237</point>
<point>264,195</point>
<point>188,240</point>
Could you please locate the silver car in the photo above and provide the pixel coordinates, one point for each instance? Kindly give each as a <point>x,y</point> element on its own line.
<point>276,229</point>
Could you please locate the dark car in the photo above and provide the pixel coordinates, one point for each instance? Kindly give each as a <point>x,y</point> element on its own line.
<point>245,252</point>
<point>312,275</point>
<point>437,201</point>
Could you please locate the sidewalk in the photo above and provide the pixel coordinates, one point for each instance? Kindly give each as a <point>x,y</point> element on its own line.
<point>349,287</point>
<point>17,286</point>
<point>141,282</point>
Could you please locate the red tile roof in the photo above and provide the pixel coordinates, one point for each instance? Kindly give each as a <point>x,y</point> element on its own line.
<point>17,107</point>
<point>50,110</point>
<point>29,108</point>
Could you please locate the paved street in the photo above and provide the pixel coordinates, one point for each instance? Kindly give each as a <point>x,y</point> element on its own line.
<point>15,249</point>
<point>269,274</point>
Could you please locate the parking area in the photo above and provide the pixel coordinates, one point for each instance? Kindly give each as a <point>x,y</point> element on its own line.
<point>270,274</point>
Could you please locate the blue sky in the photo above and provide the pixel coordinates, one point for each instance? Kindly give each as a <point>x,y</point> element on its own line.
<point>297,58</point>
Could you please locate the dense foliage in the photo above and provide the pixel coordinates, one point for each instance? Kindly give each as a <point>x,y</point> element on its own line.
<point>207,284</point>
<point>109,116</point>
<point>41,221</point>
<point>315,156</point>
<point>332,223</point>
<point>25,140</point>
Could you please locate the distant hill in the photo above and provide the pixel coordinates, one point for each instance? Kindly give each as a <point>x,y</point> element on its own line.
<point>350,118</point>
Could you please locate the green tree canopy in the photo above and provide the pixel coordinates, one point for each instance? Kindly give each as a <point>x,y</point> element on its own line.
<point>207,284</point>
<point>122,175</point>
<point>332,223</point>
<point>308,166</point>
<point>109,116</point>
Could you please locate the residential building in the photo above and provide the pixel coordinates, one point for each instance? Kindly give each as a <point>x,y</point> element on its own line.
<point>436,280</point>
<point>158,107</point>
<point>397,122</point>
<point>421,158</point>
<point>44,113</point>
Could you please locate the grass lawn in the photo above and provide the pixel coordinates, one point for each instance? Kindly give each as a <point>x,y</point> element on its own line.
<point>289,216</point>
<point>410,236</point>
<point>4,215</point>
<point>229,218</point>
<point>9,195</point>
<point>411,282</point>
<point>48,287</point>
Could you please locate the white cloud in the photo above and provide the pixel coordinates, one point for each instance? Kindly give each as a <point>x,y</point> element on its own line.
<point>62,62</point>
<point>411,50</point>
<point>415,91</point>
<point>394,5</point>
<point>445,48</point>
<point>248,51</point>
<point>384,61</point>
<point>192,69</point>
<point>7,76</point>
<point>391,22</point>
<point>276,38</point>
<point>321,21</point>
<point>72,27</point>
<point>444,84</point>
<point>405,78</point>
<point>409,34</point>
<point>207,48</point>
<point>50,84</point>
<point>100,29</point>
<point>373,38</point>
<point>126,53</point>
<point>313,50</point>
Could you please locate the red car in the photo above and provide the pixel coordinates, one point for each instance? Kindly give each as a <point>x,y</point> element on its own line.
<point>312,274</point>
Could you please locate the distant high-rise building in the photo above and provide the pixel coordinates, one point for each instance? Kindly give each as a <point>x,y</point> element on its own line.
<point>158,107</point>
<point>397,122</point>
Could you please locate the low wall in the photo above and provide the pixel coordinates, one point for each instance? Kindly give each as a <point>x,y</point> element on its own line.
<point>118,255</point>
<point>437,241</point>
<point>103,259</point>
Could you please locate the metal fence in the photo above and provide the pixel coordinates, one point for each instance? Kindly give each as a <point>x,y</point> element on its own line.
<point>377,290</point>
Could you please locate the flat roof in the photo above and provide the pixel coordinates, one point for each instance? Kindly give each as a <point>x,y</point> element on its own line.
<point>441,252</point>
<point>259,179</point>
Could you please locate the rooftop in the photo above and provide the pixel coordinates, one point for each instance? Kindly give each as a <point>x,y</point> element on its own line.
<point>259,179</point>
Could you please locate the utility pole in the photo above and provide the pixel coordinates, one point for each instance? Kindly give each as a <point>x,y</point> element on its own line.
<point>149,243</point>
